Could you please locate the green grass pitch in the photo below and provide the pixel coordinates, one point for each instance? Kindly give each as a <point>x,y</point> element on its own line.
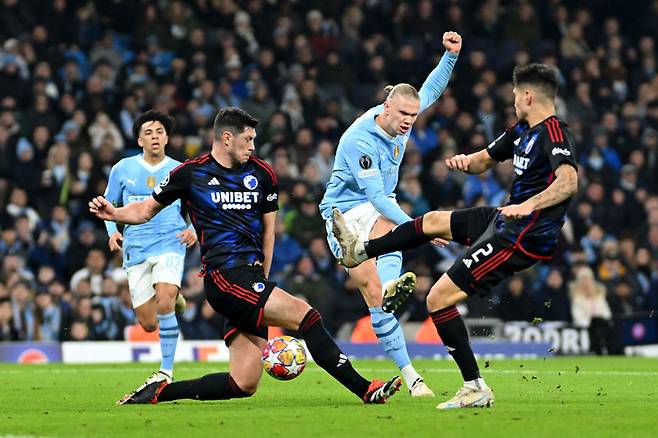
<point>556,397</point>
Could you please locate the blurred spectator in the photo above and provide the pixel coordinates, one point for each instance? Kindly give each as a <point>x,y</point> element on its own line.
<point>515,302</point>
<point>552,298</point>
<point>305,282</point>
<point>8,330</point>
<point>590,309</point>
<point>307,223</point>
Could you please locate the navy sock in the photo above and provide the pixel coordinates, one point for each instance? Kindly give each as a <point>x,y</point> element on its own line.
<point>327,355</point>
<point>450,326</point>
<point>217,386</point>
<point>406,236</point>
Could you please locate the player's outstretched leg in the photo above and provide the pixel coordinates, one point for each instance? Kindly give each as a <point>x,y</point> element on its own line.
<point>450,327</point>
<point>284,310</point>
<point>405,236</point>
<point>329,357</point>
<point>245,370</point>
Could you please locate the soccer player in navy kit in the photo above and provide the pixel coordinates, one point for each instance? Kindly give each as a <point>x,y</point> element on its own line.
<point>231,197</point>
<point>502,240</point>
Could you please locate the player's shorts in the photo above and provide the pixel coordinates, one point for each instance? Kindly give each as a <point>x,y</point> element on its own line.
<point>360,219</point>
<point>240,295</point>
<point>490,258</point>
<point>163,268</point>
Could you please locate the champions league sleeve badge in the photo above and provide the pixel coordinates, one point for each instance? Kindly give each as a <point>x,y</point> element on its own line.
<point>250,182</point>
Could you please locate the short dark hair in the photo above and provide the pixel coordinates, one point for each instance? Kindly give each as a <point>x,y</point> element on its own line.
<point>541,76</point>
<point>153,116</point>
<point>233,120</point>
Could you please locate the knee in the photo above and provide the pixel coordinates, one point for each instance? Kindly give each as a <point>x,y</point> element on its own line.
<point>249,390</point>
<point>246,387</point>
<point>436,300</point>
<point>149,326</point>
<point>165,303</point>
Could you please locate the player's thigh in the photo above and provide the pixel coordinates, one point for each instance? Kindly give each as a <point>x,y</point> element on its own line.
<point>380,227</point>
<point>487,263</point>
<point>142,294</point>
<point>284,310</point>
<point>467,225</point>
<point>245,366</point>
<point>367,280</point>
<point>167,273</point>
<point>240,294</point>
<point>437,224</point>
<point>444,293</point>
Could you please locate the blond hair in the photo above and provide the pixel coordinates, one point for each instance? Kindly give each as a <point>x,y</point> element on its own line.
<point>400,90</point>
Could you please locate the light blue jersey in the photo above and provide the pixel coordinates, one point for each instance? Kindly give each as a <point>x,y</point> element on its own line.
<point>368,159</point>
<point>133,179</point>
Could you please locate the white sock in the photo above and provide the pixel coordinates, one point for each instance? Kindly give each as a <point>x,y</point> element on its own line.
<point>478,383</point>
<point>409,375</point>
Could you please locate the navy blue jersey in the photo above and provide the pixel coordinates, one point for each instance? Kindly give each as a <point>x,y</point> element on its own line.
<point>536,152</point>
<point>226,207</point>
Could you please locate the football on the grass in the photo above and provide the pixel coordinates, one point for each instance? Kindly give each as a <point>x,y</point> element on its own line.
<point>284,357</point>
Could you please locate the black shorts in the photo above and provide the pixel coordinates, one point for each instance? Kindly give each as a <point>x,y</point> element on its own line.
<point>490,258</point>
<point>240,295</point>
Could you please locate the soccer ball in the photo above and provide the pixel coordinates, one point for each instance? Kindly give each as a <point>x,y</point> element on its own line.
<point>284,357</point>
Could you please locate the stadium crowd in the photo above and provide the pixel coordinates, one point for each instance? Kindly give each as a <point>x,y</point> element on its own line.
<point>75,74</point>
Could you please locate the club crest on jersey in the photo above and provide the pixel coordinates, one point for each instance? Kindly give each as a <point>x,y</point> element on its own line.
<point>258,287</point>
<point>250,182</point>
<point>150,181</point>
<point>365,162</point>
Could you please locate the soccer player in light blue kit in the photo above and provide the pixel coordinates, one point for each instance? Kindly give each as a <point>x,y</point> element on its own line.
<point>362,186</point>
<point>153,252</point>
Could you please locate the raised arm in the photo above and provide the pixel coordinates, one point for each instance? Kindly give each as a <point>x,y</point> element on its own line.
<point>474,163</point>
<point>438,79</point>
<point>134,213</point>
<point>562,188</point>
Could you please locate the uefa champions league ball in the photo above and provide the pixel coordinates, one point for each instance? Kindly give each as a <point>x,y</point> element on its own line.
<point>284,357</point>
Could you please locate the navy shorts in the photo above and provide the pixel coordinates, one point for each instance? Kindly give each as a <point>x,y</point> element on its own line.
<point>490,258</point>
<point>240,295</point>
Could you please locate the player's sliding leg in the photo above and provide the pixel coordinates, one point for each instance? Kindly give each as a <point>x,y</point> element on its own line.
<point>245,370</point>
<point>286,311</point>
<point>441,301</point>
<point>405,236</point>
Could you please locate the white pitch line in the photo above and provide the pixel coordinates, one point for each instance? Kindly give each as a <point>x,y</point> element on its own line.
<point>368,370</point>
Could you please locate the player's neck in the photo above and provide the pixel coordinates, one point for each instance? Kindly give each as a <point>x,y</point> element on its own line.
<point>381,122</point>
<point>153,159</point>
<point>223,160</point>
<point>541,114</point>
